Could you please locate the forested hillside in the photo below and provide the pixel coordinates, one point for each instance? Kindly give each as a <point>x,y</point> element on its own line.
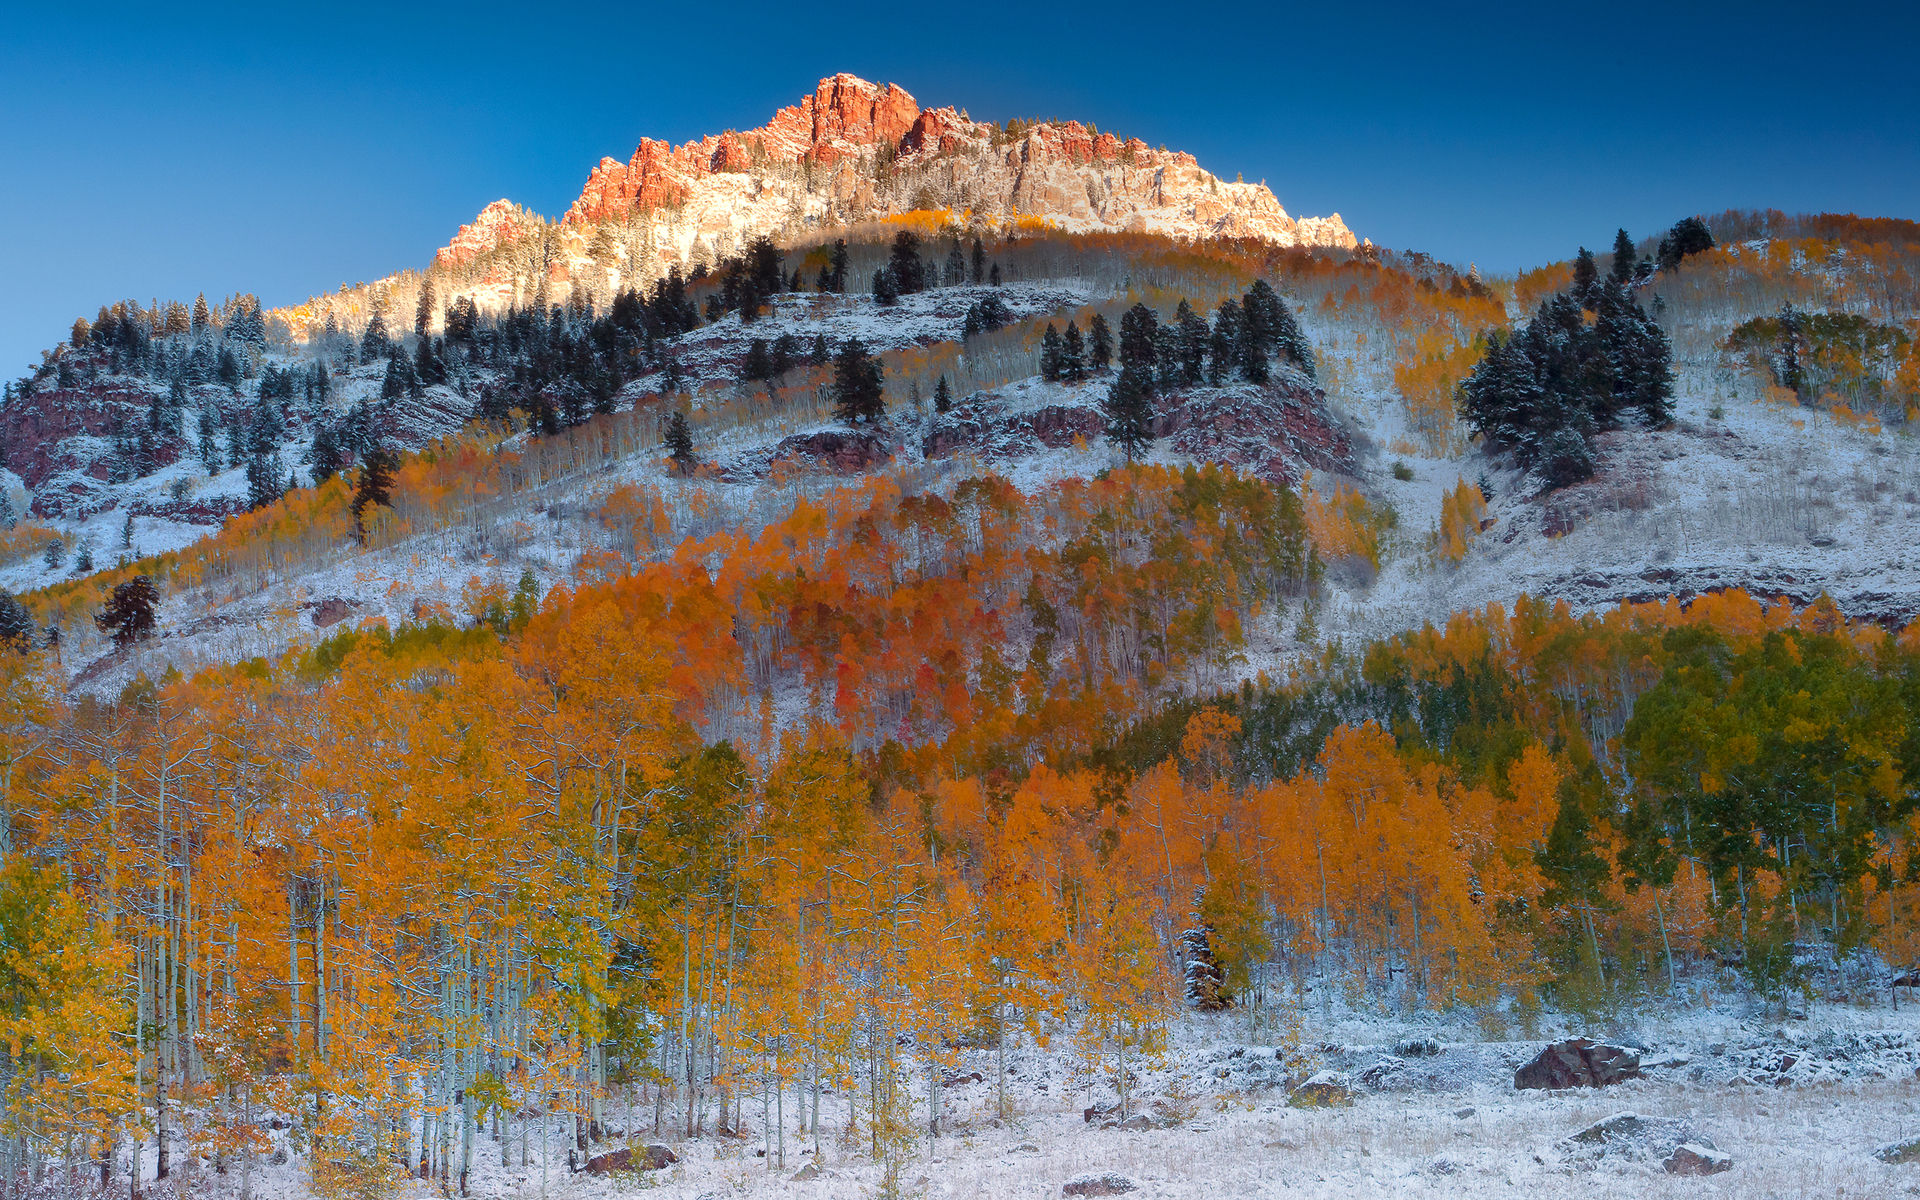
<point>742,691</point>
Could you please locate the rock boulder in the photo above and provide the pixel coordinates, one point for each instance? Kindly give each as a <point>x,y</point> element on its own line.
<point>1578,1062</point>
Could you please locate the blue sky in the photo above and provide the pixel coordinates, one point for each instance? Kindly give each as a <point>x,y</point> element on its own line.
<point>162,150</point>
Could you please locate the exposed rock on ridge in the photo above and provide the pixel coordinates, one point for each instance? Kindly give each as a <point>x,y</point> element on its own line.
<point>856,151</point>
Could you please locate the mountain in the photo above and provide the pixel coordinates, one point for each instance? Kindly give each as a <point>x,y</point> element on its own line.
<point>855,152</point>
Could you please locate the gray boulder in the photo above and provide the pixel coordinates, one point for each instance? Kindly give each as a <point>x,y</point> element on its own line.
<point>1905,1150</point>
<point>1110,1183</point>
<point>1632,1136</point>
<point>1328,1089</point>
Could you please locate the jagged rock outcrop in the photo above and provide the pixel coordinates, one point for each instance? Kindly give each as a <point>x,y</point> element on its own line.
<point>1578,1062</point>
<point>500,222</point>
<point>856,151</point>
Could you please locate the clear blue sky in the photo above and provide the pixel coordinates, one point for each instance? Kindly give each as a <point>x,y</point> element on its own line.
<point>166,149</point>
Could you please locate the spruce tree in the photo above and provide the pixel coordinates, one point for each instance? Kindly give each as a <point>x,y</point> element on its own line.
<point>375,344</point>
<point>1130,411</point>
<point>886,290</point>
<point>859,389</point>
<point>209,449</point>
<point>1050,354</point>
<point>202,319</point>
<point>374,488</point>
<point>56,553</point>
<point>1625,260</point>
<point>979,262</point>
<point>955,273</point>
<point>1687,237</point>
<point>942,396</point>
<point>1584,275</point>
<point>1099,343</point>
<point>678,441</point>
<point>820,355</point>
<point>264,483</point>
<point>128,615</point>
<point>1138,325</point>
<point>993,276</point>
<point>17,627</point>
<point>1073,354</point>
<point>758,366</point>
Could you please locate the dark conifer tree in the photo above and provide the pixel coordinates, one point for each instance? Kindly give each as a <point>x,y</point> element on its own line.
<point>1130,410</point>
<point>1625,260</point>
<point>1099,343</point>
<point>1050,354</point>
<point>1191,339</point>
<point>942,396</point>
<point>374,487</point>
<point>1137,329</point>
<point>758,366</point>
<point>679,442</point>
<point>374,343</point>
<point>820,355</point>
<point>1226,345</point>
<point>1687,237</point>
<point>886,290</point>
<point>979,262</point>
<point>955,273</point>
<point>1073,354</point>
<point>905,265</point>
<point>264,481</point>
<point>202,319</point>
<point>209,450</point>
<point>859,389</point>
<point>326,456</point>
<point>1584,276</point>
<point>993,276</point>
<point>17,626</point>
<point>128,615</point>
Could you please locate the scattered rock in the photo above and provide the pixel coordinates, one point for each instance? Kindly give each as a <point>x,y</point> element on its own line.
<point>1026,1148</point>
<point>1630,1135</point>
<point>1328,1089</point>
<point>651,1157</point>
<point>1112,1183</point>
<point>844,451</point>
<point>1905,1150</point>
<point>1691,1158</point>
<point>1464,1113</point>
<point>1138,1121</point>
<point>332,611</point>
<point>1440,1164</point>
<point>805,1174</point>
<point>957,1079</point>
<point>1381,1071</point>
<point>1100,1109</point>
<point>1578,1062</point>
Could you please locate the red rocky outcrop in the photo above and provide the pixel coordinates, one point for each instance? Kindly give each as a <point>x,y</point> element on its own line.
<point>845,451</point>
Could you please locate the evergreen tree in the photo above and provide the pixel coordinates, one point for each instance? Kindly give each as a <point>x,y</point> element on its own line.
<point>979,262</point>
<point>83,558</point>
<point>1050,354</point>
<point>886,290</point>
<point>1138,325</point>
<point>1625,260</point>
<point>128,615</point>
<point>1130,411</point>
<point>1099,344</point>
<point>374,488</point>
<point>679,442</point>
<point>838,275</point>
<point>820,355</point>
<point>1226,343</point>
<point>758,366</point>
<point>859,390</point>
<point>209,450</point>
<point>1584,276</point>
<point>905,265</point>
<point>1687,237</point>
<point>374,343</point>
<point>17,627</point>
<point>1073,354</point>
<point>8,518</point>
<point>955,273</point>
<point>942,396</point>
<point>427,366</point>
<point>264,482</point>
<point>326,456</point>
<point>993,276</point>
<point>970,327</point>
<point>227,369</point>
<point>56,553</point>
<point>1192,336</point>
<point>202,319</point>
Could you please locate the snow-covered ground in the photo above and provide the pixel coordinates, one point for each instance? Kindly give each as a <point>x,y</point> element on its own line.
<point>1799,1107</point>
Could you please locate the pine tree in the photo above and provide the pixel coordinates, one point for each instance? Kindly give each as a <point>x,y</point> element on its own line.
<point>838,276</point>
<point>83,558</point>
<point>886,290</point>
<point>678,441</point>
<point>326,456</point>
<point>1099,344</point>
<point>1226,345</point>
<point>1625,260</point>
<point>942,396</point>
<point>955,273</point>
<point>820,356</point>
<point>1138,325</point>
<point>8,518</point>
<point>1192,337</point>
<point>758,366</point>
<point>17,627</point>
<point>374,488</point>
<point>1687,237</point>
<point>128,615</point>
<point>264,483</point>
<point>859,390</point>
<point>202,319</point>
<point>375,344</point>
<point>979,262</point>
<point>905,265</point>
<point>1050,354</point>
<point>56,553</point>
<point>1073,354</point>
<point>1130,411</point>
<point>209,449</point>
<point>1584,276</point>
<point>993,276</point>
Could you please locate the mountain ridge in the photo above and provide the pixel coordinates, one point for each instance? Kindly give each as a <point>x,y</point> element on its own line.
<point>854,151</point>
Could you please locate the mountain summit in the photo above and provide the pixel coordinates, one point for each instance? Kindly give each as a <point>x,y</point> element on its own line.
<point>855,151</point>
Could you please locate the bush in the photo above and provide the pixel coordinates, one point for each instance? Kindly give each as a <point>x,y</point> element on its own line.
<point>1402,471</point>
